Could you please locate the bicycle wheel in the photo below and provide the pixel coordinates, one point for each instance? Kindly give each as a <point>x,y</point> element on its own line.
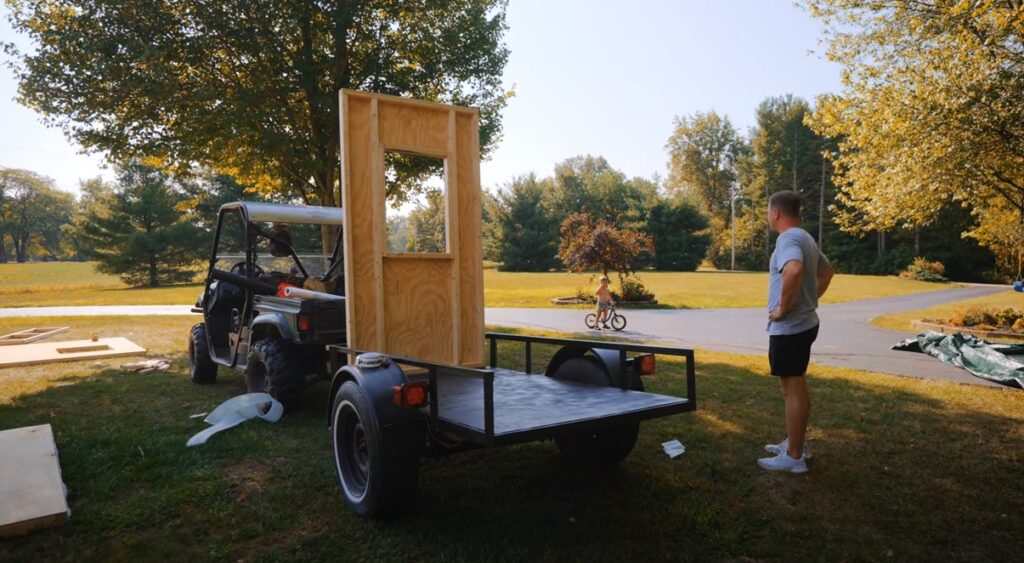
<point>591,321</point>
<point>618,322</point>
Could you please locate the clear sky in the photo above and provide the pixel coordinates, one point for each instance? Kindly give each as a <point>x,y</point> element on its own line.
<point>591,77</point>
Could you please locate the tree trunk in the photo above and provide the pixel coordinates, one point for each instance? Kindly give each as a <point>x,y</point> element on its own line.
<point>152,272</point>
<point>917,242</point>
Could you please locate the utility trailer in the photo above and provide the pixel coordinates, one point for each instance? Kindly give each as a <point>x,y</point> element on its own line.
<point>389,411</point>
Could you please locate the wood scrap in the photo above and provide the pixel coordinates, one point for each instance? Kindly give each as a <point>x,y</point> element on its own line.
<point>147,366</point>
<point>31,335</point>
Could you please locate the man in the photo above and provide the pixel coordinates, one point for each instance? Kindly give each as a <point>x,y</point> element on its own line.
<point>799,275</point>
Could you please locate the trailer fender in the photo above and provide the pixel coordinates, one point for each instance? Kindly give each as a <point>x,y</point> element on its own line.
<point>607,359</point>
<point>378,383</point>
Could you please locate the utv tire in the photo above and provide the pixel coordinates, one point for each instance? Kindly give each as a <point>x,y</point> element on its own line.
<point>275,368</point>
<point>376,481</point>
<point>601,447</point>
<point>201,368</point>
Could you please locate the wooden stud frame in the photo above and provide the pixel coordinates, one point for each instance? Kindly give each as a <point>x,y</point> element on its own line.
<point>418,305</point>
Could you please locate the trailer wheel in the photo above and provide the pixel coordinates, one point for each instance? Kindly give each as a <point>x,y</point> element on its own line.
<point>274,368</point>
<point>201,368</point>
<point>601,447</point>
<point>373,482</point>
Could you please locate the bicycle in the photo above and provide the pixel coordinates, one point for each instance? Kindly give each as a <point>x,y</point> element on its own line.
<point>617,321</point>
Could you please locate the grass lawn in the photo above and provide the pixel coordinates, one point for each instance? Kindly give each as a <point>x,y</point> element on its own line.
<point>1008,299</point>
<point>904,469</point>
<point>77,283</point>
<point>55,284</point>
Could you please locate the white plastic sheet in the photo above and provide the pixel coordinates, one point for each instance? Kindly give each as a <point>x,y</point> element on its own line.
<point>673,448</point>
<point>237,410</point>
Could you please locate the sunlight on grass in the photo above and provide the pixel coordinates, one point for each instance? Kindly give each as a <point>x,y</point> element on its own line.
<point>1008,299</point>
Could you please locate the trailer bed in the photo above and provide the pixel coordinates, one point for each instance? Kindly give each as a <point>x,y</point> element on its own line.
<point>530,406</point>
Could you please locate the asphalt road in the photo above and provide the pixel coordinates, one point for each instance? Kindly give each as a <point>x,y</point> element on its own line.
<point>846,339</point>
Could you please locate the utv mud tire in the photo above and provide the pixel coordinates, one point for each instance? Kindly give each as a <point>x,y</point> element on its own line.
<point>374,481</point>
<point>274,368</point>
<point>602,447</point>
<point>201,368</point>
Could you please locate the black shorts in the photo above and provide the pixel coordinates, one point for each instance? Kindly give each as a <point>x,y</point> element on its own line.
<point>789,354</point>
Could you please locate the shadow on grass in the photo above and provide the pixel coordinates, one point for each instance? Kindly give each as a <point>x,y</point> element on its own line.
<point>896,475</point>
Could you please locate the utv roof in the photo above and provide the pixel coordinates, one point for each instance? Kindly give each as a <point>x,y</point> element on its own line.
<point>280,213</point>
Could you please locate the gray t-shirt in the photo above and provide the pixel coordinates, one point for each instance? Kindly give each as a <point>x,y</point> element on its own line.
<point>795,244</point>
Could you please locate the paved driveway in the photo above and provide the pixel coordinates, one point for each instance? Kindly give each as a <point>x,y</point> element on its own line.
<point>847,339</point>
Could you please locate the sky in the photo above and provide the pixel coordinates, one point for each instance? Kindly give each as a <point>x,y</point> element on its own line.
<point>590,77</point>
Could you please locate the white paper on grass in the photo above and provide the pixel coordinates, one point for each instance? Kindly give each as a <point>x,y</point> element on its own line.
<point>673,448</point>
<point>237,410</point>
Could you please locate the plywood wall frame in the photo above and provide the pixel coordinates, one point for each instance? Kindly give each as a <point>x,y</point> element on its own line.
<point>430,305</point>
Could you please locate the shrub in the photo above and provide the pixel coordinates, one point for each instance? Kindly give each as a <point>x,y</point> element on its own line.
<point>632,289</point>
<point>923,270</point>
<point>1019,325</point>
<point>975,317</point>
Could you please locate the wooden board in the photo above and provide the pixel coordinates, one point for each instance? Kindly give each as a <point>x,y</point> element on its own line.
<point>31,335</point>
<point>32,493</point>
<point>428,306</point>
<point>68,351</point>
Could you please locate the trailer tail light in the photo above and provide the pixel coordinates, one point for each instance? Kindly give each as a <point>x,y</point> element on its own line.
<point>645,365</point>
<point>409,395</point>
<point>304,323</point>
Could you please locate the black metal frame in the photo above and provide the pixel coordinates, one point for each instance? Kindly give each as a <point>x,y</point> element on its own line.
<point>621,347</point>
<point>486,375</point>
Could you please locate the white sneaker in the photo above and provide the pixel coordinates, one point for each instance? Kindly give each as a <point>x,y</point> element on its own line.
<point>783,462</point>
<point>783,446</point>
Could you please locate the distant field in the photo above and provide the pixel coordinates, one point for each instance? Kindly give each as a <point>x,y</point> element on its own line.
<point>1009,299</point>
<point>78,283</point>
<point>52,284</point>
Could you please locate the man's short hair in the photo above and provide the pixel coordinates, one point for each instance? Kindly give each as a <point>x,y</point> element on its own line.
<point>787,202</point>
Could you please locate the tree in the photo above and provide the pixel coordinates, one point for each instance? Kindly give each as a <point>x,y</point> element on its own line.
<point>931,111</point>
<point>588,183</point>
<point>529,232</point>
<point>32,212</point>
<point>679,236</point>
<point>427,226</point>
<point>589,244</point>
<point>250,89</point>
<point>703,150</point>
<point>135,231</point>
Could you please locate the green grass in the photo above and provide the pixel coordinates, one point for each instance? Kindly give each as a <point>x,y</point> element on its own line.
<point>1008,299</point>
<point>695,290</point>
<point>904,469</point>
<point>55,284</point>
<point>77,283</point>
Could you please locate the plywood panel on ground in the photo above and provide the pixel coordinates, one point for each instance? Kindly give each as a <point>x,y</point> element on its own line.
<point>31,489</point>
<point>68,351</point>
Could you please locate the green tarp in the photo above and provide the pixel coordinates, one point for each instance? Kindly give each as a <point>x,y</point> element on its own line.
<point>1002,363</point>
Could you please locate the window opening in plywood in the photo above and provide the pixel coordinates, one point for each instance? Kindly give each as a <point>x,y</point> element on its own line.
<point>415,203</point>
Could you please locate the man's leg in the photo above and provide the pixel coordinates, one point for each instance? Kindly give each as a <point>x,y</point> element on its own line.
<point>798,407</point>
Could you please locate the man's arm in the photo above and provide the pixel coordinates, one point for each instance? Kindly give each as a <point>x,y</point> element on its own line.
<point>792,275</point>
<point>825,273</point>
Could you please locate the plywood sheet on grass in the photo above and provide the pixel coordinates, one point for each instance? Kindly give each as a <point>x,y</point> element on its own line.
<point>68,351</point>
<point>31,490</point>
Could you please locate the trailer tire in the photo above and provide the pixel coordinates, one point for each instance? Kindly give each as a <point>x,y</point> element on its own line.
<point>375,482</point>
<point>274,368</point>
<point>201,367</point>
<point>601,447</point>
